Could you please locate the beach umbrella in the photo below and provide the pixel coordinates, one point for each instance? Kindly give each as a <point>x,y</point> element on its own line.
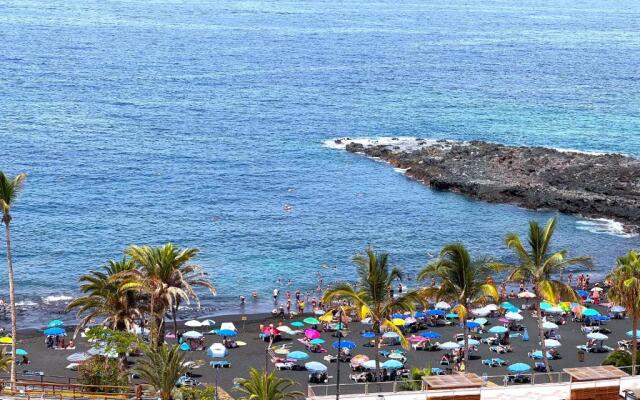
<point>208,322</point>
<point>449,346</point>
<point>617,309</point>
<point>316,341</point>
<point>193,324</point>
<point>359,359</point>
<point>548,325</point>
<point>192,335</point>
<point>370,364</point>
<point>480,312</point>
<point>417,339</point>
<point>498,329</point>
<point>297,355</point>
<point>545,305</point>
<point>491,307</point>
<point>442,305</point>
<point>79,357</point>
<point>312,334</point>
<point>630,334</point>
<point>481,321</point>
<point>217,350</point>
<point>472,342</point>
<point>518,367</point>
<point>6,340</point>
<point>282,351</point>
<point>506,304</point>
<point>392,364</point>
<point>283,328</point>
<point>367,321</point>
<point>398,315</point>
<point>21,352</point>
<point>451,315</point>
<point>601,318</point>
<point>315,366</point>
<point>590,312</point>
<point>396,356</point>
<point>503,320</point>
<point>344,344</point>
<point>473,325</point>
<point>596,289</point>
<point>431,335</point>
<point>526,295</point>
<point>582,293</point>
<point>513,316</point>
<point>227,333</point>
<point>55,331</point>
<point>185,347</point>
<point>410,321</point>
<point>597,336</point>
<point>552,343</point>
<point>398,322</point>
<point>297,324</point>
<point>390,335</point>
<point>438,313</point>
<point>327,317</point>
<point>538,355</point>
<point>54,323</point>
<point>577,308</point>
<point>318,312</point>
<point>311,321</point>
<point>554,310</point>
<point>368,335</point>
<point>420,314</point>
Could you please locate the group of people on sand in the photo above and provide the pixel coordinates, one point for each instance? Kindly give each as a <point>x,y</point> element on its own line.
<point>58,342</point>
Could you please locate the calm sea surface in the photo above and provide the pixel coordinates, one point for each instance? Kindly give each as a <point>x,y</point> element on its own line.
<point>197,121</point>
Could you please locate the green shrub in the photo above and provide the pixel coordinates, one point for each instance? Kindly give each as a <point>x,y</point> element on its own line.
<point>102,372</point>
<point>619,358</point>
<point>196,393</point>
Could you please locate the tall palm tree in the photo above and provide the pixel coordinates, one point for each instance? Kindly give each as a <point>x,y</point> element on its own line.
<point>373,298</point>
<point>189,277</point>
<point>110,295</point>
<point>9,191</point>
<point>266,386</point>
<point>625,291</point>
<point>539,266</point>
<point>161,368</point>
<point>160,273</point>
<point>463,280</point>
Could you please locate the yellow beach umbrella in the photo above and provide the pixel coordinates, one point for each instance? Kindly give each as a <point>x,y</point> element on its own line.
<point>398,322</point>
<point>6,340</point>
<point>327,317</point>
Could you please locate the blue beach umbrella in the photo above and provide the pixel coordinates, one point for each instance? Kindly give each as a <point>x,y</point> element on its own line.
<point>481,321</point>
<point>582,293</point>
<point>390,335</point>
<point>297,324</point>
<point>316,341</point>
<point>518,367</point>
<point>54,323</point>
<point>420,314</point>
<point>55,331</point>
<point>545,305</point>
<point>298,355</point>
<point>538,355</point>
<point>227,333</point>
<point>473,325</point>
<point>506,304</point>
<point>431,335</point>
<point>345,344</point>
<point>392,364</point>
<point>401,316</point>
<point>436,312</point>
<point>451,315</point>
<point>498,329</point>
<point>21,352</point>
<point>315,366</point>
<point>630,334</point>
<point>590,312</point>
<point>368,335</point>
<point>185,347</point>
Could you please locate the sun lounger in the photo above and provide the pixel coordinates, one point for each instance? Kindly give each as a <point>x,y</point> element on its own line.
<point>220,364</point>
<point>284,366</point>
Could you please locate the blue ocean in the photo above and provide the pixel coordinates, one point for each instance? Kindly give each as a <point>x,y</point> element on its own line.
<point>205,122</point>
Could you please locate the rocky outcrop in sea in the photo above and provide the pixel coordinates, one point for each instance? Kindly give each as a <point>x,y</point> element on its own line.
<point>591,185</point>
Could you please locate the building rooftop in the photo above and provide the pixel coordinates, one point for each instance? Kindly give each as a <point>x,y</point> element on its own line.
<point>595,373</point>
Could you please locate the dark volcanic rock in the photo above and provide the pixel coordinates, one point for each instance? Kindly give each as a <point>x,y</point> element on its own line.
<point>599,186</point>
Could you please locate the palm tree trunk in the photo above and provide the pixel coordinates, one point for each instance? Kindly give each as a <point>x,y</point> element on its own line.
<point>376,329</point>
<point>12,304</point>
<point>174,310</point>
<point>466,342</point>
<point>634,344</point>
<point>542,344</point>
<point>152,322</point>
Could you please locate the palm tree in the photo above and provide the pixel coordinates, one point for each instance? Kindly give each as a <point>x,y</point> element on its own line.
<point>266,386</point>
<point>109,295</point>
<point>539,266</point>
<point>161,274</point>
<point>625,291</point>
<point>9,191</point>
<point>161,368</point>
<point>374,294</point>
<point>463,280</point>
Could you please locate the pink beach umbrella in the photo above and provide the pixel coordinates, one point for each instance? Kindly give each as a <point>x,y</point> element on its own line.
<point>312,334</point>
<point>417,339</point>
<point>504,320</point>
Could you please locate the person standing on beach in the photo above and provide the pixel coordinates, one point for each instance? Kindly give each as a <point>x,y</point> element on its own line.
<point>276,293</point>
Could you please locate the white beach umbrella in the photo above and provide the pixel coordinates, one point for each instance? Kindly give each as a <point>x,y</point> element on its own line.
<point>480,312</point>
<point>514,316</point>
<point>208,322</point>
<point>442,305</point>
<point>228,326</point>
<point>597,336</point>
<point>548,325</point>
<point>596,289</point>
<point>554,310</point>
<point>552,343</point>
<point>193,324</point>
<point>491,307</point>
<point>526,295</point>
<point>449,346</point>
<point>192,335</point>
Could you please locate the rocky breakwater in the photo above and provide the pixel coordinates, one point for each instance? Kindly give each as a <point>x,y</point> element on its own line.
<point>591,185</point>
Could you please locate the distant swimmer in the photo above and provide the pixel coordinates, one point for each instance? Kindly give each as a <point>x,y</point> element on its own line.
<point>254,294</point>
<point>287,208</point>
<point>291,190</point>
<point>216,218</point>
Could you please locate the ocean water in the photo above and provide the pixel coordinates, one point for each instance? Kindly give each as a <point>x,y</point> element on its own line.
<point>204,123</point>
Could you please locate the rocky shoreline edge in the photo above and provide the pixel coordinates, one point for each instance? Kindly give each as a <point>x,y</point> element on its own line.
<point>592,185</point>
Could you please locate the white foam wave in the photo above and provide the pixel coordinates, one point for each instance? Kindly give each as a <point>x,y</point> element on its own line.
<point>401,170</point>
<point>605,226</point>
<point>26,303</point>
<point>56,298</point>
<point>590,152</point>
<point>399,143</point>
